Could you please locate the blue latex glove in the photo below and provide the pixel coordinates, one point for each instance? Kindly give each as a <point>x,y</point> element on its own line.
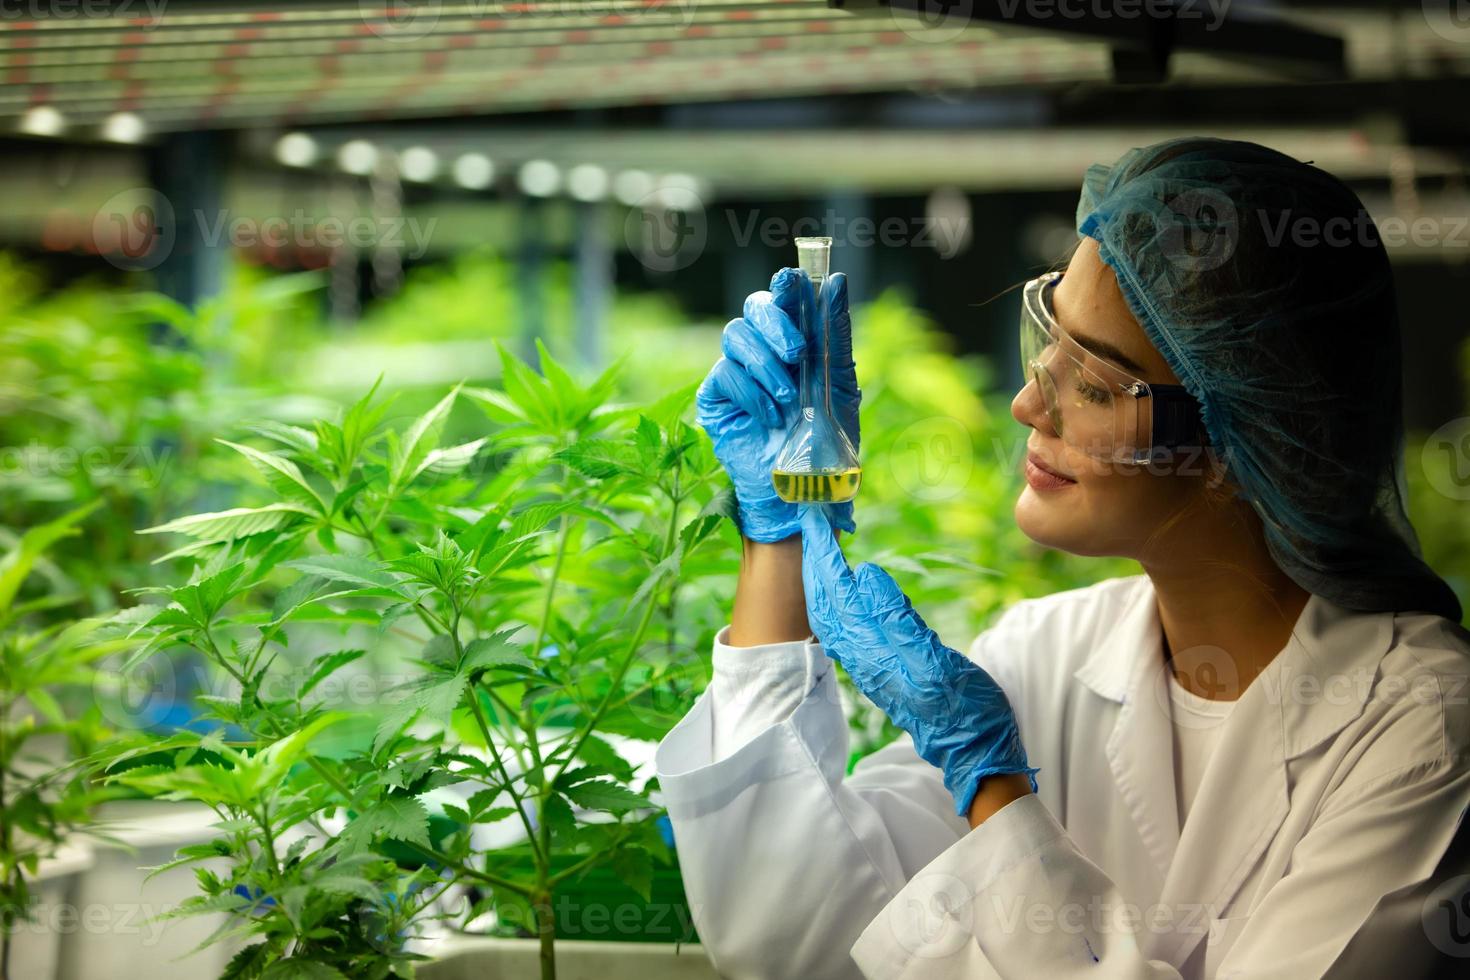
<point>959,717</point>
<point>750,399</point>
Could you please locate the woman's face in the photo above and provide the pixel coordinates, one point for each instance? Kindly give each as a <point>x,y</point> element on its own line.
<point>1107,508</point>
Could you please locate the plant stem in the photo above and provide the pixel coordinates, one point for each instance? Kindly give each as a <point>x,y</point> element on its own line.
<point>528,724</point>
<point>650,607</point>
<point>546,932</point>
<point>561,552</point>
<point>509,784</point>
<point>270,840</point>
<point>484,726</point>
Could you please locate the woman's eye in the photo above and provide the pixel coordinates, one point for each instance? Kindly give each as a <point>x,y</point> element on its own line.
<point>1090,393</point>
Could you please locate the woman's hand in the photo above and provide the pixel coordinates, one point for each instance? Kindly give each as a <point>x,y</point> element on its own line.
<point>750,400</point>
<point>959,717</point>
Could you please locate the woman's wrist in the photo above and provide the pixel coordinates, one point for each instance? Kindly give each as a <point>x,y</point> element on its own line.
<point>994,793</point>
<point>770,603</point>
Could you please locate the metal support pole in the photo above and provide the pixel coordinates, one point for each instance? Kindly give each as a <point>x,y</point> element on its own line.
<point>187,169</point>
<point>593,282</point>
<point>530,276</point>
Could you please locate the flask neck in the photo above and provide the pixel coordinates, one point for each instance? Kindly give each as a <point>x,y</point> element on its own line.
<point>815,390</point>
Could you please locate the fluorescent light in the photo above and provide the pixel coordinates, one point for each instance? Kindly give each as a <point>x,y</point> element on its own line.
<point>632,186</point>
<point>357,157</point>
<point>539,178</point>
<point>296,150</point>
<point>474,171</point>
<point>587,182</point>
<point>418,164</point>
<point>124,127</point>
<point>680,192</point>
<point>43,120</point>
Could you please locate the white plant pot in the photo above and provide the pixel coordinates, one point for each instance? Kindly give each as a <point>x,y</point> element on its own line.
<point>35,944</point>
<point>112,935</point>
<point>485,958</point>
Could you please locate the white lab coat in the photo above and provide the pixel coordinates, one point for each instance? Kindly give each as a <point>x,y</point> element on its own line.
<point>1319,835</point>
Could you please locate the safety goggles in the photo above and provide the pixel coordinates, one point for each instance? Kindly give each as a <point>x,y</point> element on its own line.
<point>1094,405</point>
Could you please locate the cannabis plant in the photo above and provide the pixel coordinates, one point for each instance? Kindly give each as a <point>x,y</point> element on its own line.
<point>45,795</point>
<point>419,639</point>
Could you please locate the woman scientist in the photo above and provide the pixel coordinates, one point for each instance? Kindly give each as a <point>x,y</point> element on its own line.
<point>1213,390</point>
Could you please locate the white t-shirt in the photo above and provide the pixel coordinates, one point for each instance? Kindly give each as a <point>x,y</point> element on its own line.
<point>1197,725</point>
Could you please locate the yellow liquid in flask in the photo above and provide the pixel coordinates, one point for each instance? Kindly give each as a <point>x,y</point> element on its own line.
<point>817,488</point>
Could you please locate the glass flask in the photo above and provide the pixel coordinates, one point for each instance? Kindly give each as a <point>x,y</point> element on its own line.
<point>818,463</point>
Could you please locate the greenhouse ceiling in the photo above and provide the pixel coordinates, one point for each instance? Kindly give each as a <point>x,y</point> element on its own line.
<point>175,65</point>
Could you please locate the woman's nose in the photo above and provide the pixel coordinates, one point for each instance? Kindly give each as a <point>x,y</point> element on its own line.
<point>1029,409</point>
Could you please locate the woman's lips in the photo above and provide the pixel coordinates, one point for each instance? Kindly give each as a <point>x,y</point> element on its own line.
<point>1038,477</point>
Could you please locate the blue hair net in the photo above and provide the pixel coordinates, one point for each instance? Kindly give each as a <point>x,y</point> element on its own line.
<point>1265,286</point>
